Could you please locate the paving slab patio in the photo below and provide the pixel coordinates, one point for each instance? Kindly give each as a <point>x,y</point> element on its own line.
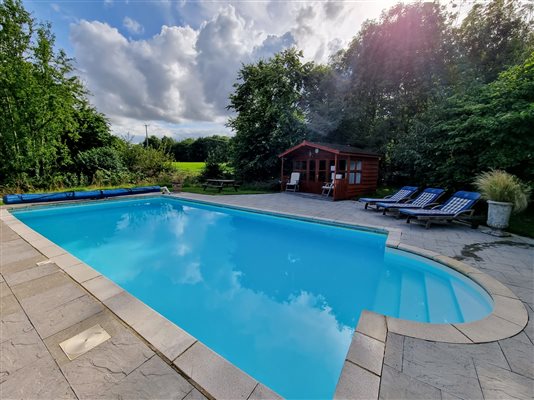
<point>41,306</point>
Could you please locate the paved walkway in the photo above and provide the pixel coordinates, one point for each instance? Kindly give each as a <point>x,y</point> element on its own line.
<point>41,307</point>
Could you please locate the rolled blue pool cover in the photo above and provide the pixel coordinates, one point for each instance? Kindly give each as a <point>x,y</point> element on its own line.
<point>62,196</point>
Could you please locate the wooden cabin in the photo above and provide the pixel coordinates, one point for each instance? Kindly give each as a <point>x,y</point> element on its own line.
<point>355,171</point>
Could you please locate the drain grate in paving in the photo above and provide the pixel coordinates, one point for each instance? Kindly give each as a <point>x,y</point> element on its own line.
<point>84,341</point>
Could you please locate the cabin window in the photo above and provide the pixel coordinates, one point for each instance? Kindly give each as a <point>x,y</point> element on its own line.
<point>312,171</point>
<point>341,169</point>
<point>355,172</point>
<point>300,165</point>
<point>322,171</point>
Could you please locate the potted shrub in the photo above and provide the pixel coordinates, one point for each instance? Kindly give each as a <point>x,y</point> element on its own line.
<point>505,194</point>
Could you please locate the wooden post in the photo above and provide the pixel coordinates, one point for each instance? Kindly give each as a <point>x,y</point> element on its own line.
<point>335,173</point>
<point>282,175</point>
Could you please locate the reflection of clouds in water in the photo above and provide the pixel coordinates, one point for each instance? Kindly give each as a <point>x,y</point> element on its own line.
<point>182,249</point>
<point>293,259</point>
<point>189,274</point>
<point>308,322</point>
<point>123,222</point>
<point>179,223</point>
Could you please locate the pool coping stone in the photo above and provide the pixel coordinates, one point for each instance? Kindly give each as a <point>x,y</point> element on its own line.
<point>360,375</point>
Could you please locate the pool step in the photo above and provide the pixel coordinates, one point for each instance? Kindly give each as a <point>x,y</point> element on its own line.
<point>440,297</point>
<point>470,307</point>
<point>387,297</point>
<point>413,303</point>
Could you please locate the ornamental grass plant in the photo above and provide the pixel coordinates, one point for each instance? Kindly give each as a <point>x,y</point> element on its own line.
<point>497,185</point>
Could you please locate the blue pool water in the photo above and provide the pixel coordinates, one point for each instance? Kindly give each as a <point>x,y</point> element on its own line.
<point>277,297</point>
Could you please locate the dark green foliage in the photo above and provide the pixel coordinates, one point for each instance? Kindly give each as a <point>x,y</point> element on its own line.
<point>99,158</point>
<point>146,162</point>
<point>269,118</point>
<point>494,36</point>
<point>37,98</point>
<point>395,68</point>
<point>212,170</point>
<point>92,130</point>
<point>197,150</point>
<point>489,128</point>
<point>427,94</point>
<point>50,136</point>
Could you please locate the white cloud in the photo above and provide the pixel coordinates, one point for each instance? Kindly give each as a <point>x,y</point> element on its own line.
<point>132,26</point>
<point>184,74</point>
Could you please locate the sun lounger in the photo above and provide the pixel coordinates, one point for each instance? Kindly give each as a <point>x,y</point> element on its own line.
<point>426,198</point>
<point>461,203</point>
<point>402,195</point>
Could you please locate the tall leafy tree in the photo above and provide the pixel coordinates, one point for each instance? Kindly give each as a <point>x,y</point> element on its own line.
<point>43,108</point>
<point>495,35</point>
<point>397,67</point>
<point>267,100</point>
<point>490,127</point>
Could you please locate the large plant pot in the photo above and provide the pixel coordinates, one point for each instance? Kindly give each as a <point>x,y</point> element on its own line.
<point>499,214</point>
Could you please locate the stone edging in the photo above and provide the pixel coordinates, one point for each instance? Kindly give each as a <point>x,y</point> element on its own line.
<point>361,373</point>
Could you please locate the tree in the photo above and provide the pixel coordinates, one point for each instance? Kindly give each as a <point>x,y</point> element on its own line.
<point>269,116</point>
<point>486,128</point>
<point>43,107</point>
<point>396,68</point>
<point>494,36</point>
<point>92,130</point>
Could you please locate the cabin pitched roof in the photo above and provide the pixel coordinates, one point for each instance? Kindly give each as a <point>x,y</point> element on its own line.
<point>329,147</point>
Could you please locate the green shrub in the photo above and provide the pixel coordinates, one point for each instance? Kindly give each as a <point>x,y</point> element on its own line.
<point>146,162</point>
<point>501,186</point>
<point>100,158</point>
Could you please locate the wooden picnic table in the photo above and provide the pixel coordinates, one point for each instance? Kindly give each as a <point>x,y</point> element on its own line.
<point>220,184</point>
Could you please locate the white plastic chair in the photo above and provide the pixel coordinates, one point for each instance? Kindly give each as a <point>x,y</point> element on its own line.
<point>293,184</point>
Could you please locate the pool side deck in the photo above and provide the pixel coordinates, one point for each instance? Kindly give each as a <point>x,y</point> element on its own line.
<point>46,304</point>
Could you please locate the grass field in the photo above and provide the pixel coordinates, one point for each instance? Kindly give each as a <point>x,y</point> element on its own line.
<point>225,191</point>
<point>190,168</point>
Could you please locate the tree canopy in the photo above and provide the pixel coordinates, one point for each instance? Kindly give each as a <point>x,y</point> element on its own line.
<point>441,99</point>
<point>269,116</point>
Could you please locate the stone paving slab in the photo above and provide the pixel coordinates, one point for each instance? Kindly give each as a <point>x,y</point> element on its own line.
<point>498,383</point>
<point>357,383</point>
<point>16,278</point>
<point>105,365</point>
<point>396,385</point>
<point>19,351</point>
<point>13,325</point>
<point>154,379</point>
<point>215,374</point>
<point>66,315</point>
<point>40,380</point>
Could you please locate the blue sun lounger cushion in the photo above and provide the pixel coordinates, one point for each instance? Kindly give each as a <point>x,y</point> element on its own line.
<point>459,203</point>
<point>404,193</point>
<point>425,198</point>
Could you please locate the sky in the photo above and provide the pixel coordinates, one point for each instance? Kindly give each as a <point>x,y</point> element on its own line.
<point>171,64</point>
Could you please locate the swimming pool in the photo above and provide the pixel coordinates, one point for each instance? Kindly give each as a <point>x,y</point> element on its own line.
<point>277,297</point>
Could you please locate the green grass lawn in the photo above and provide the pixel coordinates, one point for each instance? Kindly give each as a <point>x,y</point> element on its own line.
<point>226,191</point>
<point>191,168</point>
